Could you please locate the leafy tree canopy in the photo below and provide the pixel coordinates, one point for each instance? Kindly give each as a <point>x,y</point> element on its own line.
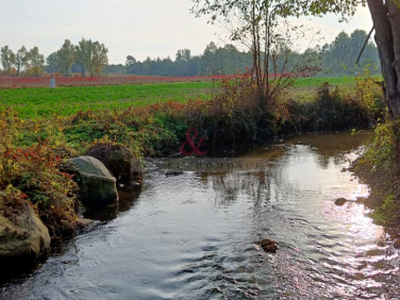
<point>283,8</point>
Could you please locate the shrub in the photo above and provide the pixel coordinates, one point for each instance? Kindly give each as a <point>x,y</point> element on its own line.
<point>381,153</point>
<point>333,109</point>
<point>34,172</point>
<point>119,160</point>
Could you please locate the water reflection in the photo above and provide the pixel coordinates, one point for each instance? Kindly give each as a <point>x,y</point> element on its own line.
<point>229,186</point>
<point>194,236</point>
<point>334,146</point>
<point>127,199</point>
<point>327,250</point>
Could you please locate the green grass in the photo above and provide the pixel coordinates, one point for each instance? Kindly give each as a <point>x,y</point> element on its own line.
<point>64,101</point>
<point>318,81</point>
<point>305,89</point>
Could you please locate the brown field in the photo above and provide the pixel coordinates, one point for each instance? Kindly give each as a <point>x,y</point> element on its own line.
<point>22,82</point>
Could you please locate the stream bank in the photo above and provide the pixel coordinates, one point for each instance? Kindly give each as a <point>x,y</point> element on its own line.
<point>32,150</point>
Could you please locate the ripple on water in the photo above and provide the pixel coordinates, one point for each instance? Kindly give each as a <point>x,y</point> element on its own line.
<point>194,236</point>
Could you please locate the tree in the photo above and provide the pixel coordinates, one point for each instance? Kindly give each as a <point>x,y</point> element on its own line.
<point>258,28</point>
<point>91,56</point>
<point>36,61</point>
<point>230,56</point>
<point>83,55</point>
<point>339,57</point>
<point>209,58</point>
<point>184,64</point>
<point>52,63</point>
<point>357,39</point>
<point>21,59</point>
<point>341,52</point>
<point>98,59</point>
<point>386,18</point>
<point>130,61</point>
<point>210,49</point>
<point>115,69</point>
<point>183,55</point>
<point>7,59</point>
<point>312,61</point>
<point>131,64</point>
<point>66,56</point>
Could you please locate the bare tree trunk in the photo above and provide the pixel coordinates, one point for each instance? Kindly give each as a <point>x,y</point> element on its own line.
<point>386,19</point>
<point>384,38</point>
<point>394,18</point>
<point>256,52</point>
<point>274,61</point>
<point>267,50</point>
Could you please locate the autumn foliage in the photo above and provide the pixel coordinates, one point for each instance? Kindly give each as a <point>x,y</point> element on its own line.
<point>31,150</point>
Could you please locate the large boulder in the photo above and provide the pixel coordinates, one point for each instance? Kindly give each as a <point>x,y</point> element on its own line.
<point>120,161</point>
<point>97,185</point>
<point>22,233</point>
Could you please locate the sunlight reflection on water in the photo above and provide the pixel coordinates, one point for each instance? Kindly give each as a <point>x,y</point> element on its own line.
<point>194,235</point>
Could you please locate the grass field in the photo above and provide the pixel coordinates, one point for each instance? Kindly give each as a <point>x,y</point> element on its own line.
<point>317,81</point>
<point>63,101</point>
<point>41,102</point>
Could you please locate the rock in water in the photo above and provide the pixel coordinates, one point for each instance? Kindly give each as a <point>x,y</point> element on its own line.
<point>97,185</point>
<point>121,162</point>
<point>341,201</point>
<point>268,245</point>
<point>22,233</point>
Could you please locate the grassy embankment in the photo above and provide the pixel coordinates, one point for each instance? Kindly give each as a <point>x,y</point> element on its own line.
<point>42,127</point>
<point>378,168</point>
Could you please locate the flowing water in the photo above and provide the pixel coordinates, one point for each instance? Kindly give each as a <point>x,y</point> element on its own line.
<point>194,235</point>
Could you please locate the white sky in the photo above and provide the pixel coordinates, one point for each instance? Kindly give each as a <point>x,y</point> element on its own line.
<point>155,28</point>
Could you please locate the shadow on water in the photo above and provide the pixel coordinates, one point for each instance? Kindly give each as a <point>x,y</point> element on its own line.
<point>17,270</point>
<point>126,201</point>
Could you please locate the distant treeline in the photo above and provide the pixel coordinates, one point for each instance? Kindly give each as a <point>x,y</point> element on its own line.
<point>336,58</point>
<point>90,58</point>
<point>29,62</point>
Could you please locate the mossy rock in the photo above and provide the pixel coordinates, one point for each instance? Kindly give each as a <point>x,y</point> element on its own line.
<point>121,162</point>
<point>22,234</point>
<point>97,185</point>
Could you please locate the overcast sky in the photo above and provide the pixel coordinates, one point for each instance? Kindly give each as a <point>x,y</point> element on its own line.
<point>155,28</point>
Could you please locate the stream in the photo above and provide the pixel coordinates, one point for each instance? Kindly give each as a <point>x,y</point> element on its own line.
<point>194,234</point>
